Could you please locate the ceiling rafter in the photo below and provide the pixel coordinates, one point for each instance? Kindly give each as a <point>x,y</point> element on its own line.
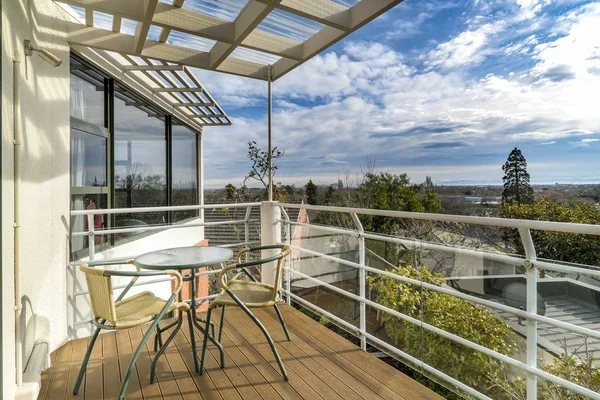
<point>325,12</point>
<point>142,28</point>
<point>245,31</point>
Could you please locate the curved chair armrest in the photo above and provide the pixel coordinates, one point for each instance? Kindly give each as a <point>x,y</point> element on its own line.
<point>224,270</point>
<point>285,250</point>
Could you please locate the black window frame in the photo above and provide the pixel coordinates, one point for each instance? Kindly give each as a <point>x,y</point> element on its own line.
<point>116,88</point>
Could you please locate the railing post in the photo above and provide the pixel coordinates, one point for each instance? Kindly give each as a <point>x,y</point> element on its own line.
<point>288,259</point>
<point>270,234</point>
<point>247,229</point>
<point>91,237</point>
<point>532,280</point>
<point>361,281</point>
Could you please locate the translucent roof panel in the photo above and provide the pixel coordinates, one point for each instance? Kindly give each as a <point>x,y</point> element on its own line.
<point>227,10</point>
<point>286,24</point>
<point>240,37</point>
<point>103,20</point>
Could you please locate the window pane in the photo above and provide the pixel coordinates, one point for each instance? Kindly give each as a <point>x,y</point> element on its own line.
<point>80,244</point>
<point>140,162</point>
<point>87,103</point>
<point>88,159</point>
<point>185,177</point>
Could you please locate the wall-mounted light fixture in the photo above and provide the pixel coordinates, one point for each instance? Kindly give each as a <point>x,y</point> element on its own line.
<point>44,54</point>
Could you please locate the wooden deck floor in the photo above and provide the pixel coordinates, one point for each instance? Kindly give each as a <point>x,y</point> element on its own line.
<point>320,364</point>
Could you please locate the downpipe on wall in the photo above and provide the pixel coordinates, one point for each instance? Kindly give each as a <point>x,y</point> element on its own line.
<point>16,224</point>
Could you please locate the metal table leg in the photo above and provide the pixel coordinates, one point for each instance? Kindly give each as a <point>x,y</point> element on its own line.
<point>195,319</point>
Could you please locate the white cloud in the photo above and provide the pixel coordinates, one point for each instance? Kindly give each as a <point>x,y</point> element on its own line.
<point>468,48</point>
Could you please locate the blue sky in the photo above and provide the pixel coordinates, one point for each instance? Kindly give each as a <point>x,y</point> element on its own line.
<point>430,88</point>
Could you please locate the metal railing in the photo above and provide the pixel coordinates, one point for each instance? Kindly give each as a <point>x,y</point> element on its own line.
<point>529,263</point>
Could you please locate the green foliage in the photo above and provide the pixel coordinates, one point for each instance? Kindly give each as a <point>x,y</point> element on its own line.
<point>516,179</point>
<point>311,192</point>
<point>584,249</point>
<point>460,317</point>
<point>384,191</point>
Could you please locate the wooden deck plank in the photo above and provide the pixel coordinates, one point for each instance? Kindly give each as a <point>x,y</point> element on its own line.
<point>291,363</point>
<point>233,353</point>
<point>149,391</point>
<point>206,387</point>
<point>93,384</point>
<point>112,375</point>
<point>134,390</point>
<point>388,376</point>
<point>266,369</point>
<point>213,369</point>
<point>47,377</point>
<point>320,363</point>
<point>324,361</point>
<point>272,324</point>
<point>164,375</point>
<point>60,376</point>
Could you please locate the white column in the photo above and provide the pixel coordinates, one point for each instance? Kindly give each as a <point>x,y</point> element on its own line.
<point>270,234</point>
<point>200,155</point>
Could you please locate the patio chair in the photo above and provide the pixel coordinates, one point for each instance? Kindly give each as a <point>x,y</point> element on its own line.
<point>250,294</point>
<point>126,313</point>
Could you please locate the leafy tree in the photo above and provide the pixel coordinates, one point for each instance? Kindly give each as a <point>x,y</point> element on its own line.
<point>311,192</point>
<point>452,314</point>
<point>329,193</point>
<point>516,179</point>
<point>384,191</point>
<point>569,247</point>
<point>259,171</point>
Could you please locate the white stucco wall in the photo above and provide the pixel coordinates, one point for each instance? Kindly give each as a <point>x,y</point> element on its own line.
<point>45,174</point>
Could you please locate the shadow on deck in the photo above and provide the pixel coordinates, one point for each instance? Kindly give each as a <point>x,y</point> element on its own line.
<point>320,364</point>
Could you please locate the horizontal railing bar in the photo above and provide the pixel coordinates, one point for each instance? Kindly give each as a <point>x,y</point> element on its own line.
<point>486,221</point>
<point>421,244</point>
<point>470,252</point>
<point>452,292</point>
<point>151,228</point>
<point>467,343</point>
<point>138,283</point>
<point>357,332</point>
<point>341,231</point>
<point>135,210</point>
<point>239,244</point>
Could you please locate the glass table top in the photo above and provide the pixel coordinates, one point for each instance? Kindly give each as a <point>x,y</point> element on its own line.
<point>183,258</point>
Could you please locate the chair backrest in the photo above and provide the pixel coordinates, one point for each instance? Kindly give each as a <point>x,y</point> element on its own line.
<point>101,293</point>
<point>285,251</point>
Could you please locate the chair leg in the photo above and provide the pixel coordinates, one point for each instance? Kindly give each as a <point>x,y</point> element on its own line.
<point>205,342</point>
<point>163,348</point>
<point>264,331</point>
<point>137,352</point>
<point>86,359</point>
<point>158,343</point>
<point>287,334</point>
<point>193,341</point>
<point>221,324</point>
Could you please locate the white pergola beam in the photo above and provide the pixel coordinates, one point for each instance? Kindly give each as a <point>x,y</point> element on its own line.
<point>325,12</point>
<point>164,34</point>
<point>194,105</point>
<point>227,34</point>
<point>360,14</point>
<point>153,68</point>
<point>121,43</point>
<point>142,28</point>
<point>116,25</point>
<point>248,19</point>
<point>338,19</point>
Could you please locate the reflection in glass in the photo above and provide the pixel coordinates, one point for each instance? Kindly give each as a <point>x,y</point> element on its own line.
<point>87,102</point>
<point>140,164</point>
<point>185,177</point>
<point>80,223</point>
<point>88,159</point>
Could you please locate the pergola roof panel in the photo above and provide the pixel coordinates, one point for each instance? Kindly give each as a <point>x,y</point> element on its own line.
<point>240,37</point>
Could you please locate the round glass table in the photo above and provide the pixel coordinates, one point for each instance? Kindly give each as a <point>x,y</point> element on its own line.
<point>184,258</point>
